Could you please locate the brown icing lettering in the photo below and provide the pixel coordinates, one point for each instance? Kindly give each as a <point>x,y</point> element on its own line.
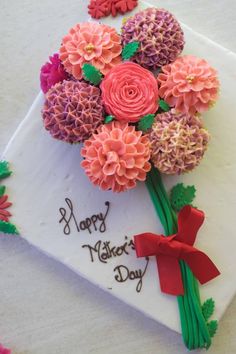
<point>95,222</point>
<point>123,274</point>
<point>103,250</point>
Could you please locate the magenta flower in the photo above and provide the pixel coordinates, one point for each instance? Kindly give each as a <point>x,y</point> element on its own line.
<point>51,73</point>
<point>4,350</point>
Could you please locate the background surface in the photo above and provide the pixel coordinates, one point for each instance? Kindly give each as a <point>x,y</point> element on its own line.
<point>44,307</point>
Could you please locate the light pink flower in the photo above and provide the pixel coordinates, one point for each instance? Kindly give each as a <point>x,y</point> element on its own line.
<point>178,142</point>
<point>129,92</point>
<point>189,84</point>
<point>116,157</point>
<point>93,43</point>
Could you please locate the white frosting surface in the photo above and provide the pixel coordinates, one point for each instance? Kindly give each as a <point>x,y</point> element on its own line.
<point>47,171</point>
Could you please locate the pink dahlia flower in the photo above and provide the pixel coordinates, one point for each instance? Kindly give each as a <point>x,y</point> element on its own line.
<point>51,73</point>
<point>129,92</point>
<point>4,350</point>
<point>116,157</point>
<point>93,43</point>
<point>72,111</point>
<point>178,142</point>
<point>189,84</point>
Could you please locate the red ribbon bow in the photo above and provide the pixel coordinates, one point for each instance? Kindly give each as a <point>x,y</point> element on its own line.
<point>170,249</point>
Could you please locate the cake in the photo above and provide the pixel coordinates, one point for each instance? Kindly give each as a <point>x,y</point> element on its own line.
<point>81,220</point>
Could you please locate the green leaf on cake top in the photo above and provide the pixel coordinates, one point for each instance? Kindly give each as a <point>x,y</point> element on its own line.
<point>207,311</point>
<point>212,327</point>
<point>208,308</point>
<point>2,190</point>
<point>8,228</point>
<point>108,119</point>
<point>5,226</point>
<point>4,169</point>
<point>146,122</point>
<point>91,74</point>
<point>164,105</point>
<point>129,50</point>
<point>181,196</point>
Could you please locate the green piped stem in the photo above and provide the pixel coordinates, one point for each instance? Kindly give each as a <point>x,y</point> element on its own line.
<point>194,328</point>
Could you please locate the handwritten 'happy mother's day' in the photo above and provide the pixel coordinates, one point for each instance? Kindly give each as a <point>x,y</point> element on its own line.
<point>101,251</point>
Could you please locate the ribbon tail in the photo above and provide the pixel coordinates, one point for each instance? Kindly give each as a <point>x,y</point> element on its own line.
<point>189,222</point>
<point>170,275</point>
<point>201,265</point>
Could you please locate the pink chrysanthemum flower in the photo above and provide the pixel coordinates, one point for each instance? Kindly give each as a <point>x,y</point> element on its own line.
<point>189,84</point>
<point>116,157</point>
<point>72,111</point>
<point>93,43</point>
<point>51,73</point>
<point>178,142</point>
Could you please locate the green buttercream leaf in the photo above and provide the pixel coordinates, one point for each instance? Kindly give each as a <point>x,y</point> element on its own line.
<point>108,119</point>
<point>91,74</point>
<point>212,327</point>
<point>208,308</point>
<point>2,190</point>
<point>146,122</point>
<point>164,105</point>
<point>4,169</point>
<point>129,50</point>
<point>181,196</point>
<point>8,228</point>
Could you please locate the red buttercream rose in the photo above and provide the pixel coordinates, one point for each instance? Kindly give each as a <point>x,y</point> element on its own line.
<point>129,92</point>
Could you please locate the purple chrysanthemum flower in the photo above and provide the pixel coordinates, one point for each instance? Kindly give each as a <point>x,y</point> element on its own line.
<point>72,111</point>
<point>159,34</point>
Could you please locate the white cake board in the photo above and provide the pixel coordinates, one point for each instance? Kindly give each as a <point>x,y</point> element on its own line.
<point>47,171</point>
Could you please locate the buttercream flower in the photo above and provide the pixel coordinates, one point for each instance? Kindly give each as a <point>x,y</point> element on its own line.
<point>4,204</point>
<point>51,73</point>
<point>189,84</point>
<point>102,8</point>
<point>159,34</point>
<point>4,350</point>
<point>93,43</point>
<point>129,92</point>
<point>123,6</point>
<point>72,111</point>
<point>178,142</point>
<point>116,157</point>
<point>99,8</point>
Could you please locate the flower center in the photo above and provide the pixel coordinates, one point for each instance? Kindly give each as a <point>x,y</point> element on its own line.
<point>190,78</point>
<point>89,48</point>
<point>112,157</point>
<point>124,20</point>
